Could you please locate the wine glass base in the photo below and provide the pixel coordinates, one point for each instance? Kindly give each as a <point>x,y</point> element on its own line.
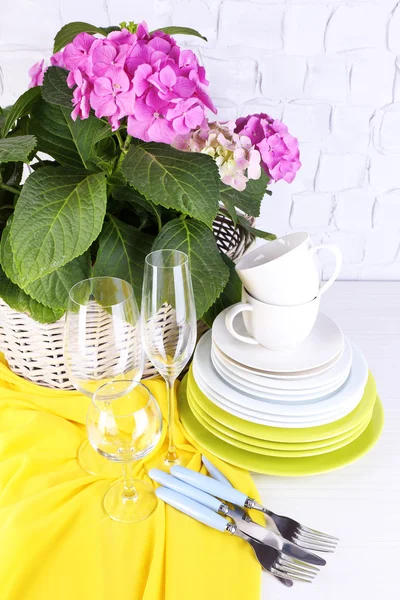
<point>89,460</point>
<point>129,510</point>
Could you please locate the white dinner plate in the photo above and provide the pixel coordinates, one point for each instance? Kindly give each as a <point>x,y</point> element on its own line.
<point>263,411</point>
<point>242,384</point>
<point>340,369</point>
<point>322,345</point>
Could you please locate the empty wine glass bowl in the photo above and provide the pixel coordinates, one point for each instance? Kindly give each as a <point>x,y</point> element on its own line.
<point>102,342</point>
<point>102,334</point>
<point>169,323</point>
<point>124,425</point>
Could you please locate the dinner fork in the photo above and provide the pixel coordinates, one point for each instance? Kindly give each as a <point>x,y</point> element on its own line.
<point>272,560</point>
<point>305,537</point>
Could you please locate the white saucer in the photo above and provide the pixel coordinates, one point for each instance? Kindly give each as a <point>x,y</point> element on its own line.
<point>322,345</point>
<point>316,381</point>
<point>241,384</point>
<point>324,410</point>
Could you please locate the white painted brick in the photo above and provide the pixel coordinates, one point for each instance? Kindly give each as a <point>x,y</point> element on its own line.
<point>394,32</point>
<point>90,11</point>
<point>202,15</point>
<point>232,78</point>
<point>153,12</point>
<point>352,246</point>
<point>381,272</point>
<point>309,157</point>
<point>382,246</point>
<point>308,121</point>
<point>353,210</point>
<point>227,111</point>
<point>387,129</point>
<point>356,27</point>
<point>15,66</point>
<point>384,171</point>
<point>304,29</point>
<point>387,210</point>
<point>27,25</point>
<point>275,210</point>
<point>341,171</point>
<point>372,77</point>
<point>261,105</point>
<point>311,211</point>
<point>251,24</point>
<point>283,77</point>
<point>350,129</point>
<point>327,78</point>
<point>348,272</point>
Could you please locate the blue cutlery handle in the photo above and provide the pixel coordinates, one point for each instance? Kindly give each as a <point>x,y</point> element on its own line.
<point>192,509</point>
<point>209,485</point>
<point>214,472</point>
<point>189,491</point>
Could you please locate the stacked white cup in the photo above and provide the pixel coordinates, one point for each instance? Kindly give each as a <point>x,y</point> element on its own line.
<point>281,291</point>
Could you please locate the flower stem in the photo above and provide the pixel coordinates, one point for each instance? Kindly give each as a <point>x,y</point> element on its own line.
<point>9,188</point>
<point>127,142</point>
<point>120,140</point>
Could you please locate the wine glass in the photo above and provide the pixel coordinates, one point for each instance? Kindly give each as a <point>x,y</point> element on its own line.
<point>124,424</point>
<point>102,341</point>
<point>169,325</point>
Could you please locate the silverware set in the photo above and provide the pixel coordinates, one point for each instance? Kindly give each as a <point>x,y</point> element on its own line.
<point>283,547</point>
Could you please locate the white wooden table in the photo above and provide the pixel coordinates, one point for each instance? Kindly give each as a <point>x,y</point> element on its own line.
<point>360,503</point>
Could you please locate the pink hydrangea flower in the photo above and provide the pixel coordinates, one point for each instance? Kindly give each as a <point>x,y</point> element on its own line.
<point>77,53</point>
<point>144,78</point>
<point>236,157</point>
<point>112,97</point>
<point>57,60</point>
<point>279,150</point>
<point>36,73</point>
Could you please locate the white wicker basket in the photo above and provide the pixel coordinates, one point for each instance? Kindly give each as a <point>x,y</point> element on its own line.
<point>35,351</point>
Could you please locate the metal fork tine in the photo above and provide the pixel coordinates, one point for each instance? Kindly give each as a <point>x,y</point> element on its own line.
<point>294,573</point>
<point>301,564</point>
<point>308,542</point>
<point>309,545</point>
<point>309,572</point>
<point>315,536</point>
<point>312,547</point>
<point>314,539</point>
<point>318,533</point>
<point>285,575</point>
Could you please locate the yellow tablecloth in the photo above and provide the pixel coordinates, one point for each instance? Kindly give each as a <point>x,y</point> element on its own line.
<point>57,544</point>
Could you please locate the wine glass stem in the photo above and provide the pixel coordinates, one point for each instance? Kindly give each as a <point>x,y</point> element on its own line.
<point>129,492</point>
<point>171,456</point>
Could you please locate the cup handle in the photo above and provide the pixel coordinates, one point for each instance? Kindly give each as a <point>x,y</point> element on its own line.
<point>229,318</point>
<point>338,264</point>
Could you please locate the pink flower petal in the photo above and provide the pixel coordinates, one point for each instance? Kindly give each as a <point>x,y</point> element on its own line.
<point>103,86</point>
<point>167,76</point>
<point>138,129</point>
<point>161,131</point>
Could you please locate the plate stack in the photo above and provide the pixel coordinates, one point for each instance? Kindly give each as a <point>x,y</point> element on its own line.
<point>305,410</point>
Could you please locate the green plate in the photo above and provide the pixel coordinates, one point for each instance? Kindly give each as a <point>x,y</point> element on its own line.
<point>282,434</point>
<point>269,448</point>
<point>272,465</point>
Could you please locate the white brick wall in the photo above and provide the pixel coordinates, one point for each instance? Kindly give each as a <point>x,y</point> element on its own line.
<point>329,68</point>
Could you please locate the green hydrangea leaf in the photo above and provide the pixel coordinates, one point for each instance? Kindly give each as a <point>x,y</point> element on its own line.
<point>58,215</point>
<point>187,182</point>
<point>209,272</point>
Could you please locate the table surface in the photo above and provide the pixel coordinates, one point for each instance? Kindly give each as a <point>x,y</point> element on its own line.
<point>360,503</point>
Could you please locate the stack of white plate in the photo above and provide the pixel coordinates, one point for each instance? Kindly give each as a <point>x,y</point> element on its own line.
<point>247,403</point>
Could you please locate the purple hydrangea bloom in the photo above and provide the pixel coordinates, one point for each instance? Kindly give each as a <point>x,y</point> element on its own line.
<point>280,157</point>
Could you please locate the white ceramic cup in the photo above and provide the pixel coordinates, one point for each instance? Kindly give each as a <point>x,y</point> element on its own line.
<point>286,271</point>
<point>274,327</point>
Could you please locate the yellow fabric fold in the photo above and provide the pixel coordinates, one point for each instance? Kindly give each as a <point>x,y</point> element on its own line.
<point>56,542</point>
